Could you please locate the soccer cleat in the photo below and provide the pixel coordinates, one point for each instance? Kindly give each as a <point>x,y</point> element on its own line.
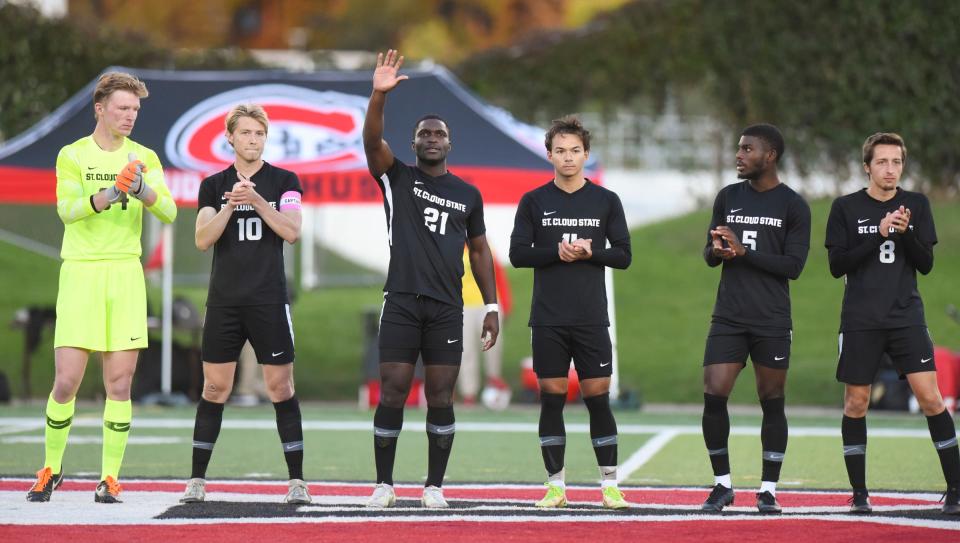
<point>860,502</point>
<point>951,501</point>
<point>196,491</point>
<point>46,483</point>
<point>108,491</point>
<point>556,497</point>
<point>433,498</point>
<point>767,503</point>
<point>298,493</point>
<point>383,496</point>
<point>719,498</point>
<point>613,498</point>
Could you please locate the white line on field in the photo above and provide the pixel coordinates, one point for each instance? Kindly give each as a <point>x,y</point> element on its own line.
<point>645,453</point>
<point>37,423</point>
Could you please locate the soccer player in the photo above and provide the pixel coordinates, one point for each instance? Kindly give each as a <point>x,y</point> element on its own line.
<point>879,238</point>
<point>104,182</point>
<point>246,212</point>
<point>553,233</point>
<point>430,213</point>
<point>760,233</point>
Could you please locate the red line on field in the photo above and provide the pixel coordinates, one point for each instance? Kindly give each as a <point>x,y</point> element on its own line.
<point>556,532</point>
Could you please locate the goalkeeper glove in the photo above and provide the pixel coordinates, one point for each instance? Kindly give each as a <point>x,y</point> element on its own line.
<point>130,179</point>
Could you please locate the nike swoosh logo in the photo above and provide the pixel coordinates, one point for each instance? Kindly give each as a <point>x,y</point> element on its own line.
<point>545,213</point>
<point>452,340</point>
<point>861,221</point>
<point>379,432</point>
<point>779,358</point>
<point>605,441</point>
<point>418,182</point>
<point>289,447</point>
<point>444,430</point>
<point>91,167</point>
<point>277,354</point>
<point>776,456</point>
<point>925,360</point>
<point>604,365</point>
<point>735,210</point>
<point>135,338</point>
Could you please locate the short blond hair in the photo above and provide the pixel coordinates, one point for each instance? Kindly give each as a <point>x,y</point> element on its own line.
<point>112,82</point>
<point>253,111</point>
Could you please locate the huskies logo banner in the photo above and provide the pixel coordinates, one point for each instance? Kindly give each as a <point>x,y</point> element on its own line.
<point>316,124</point>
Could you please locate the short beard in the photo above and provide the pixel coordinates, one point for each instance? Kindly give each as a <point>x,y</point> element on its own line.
<point>431,161</point>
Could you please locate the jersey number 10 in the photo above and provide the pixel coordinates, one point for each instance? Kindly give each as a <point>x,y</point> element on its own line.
<point>250,229</point>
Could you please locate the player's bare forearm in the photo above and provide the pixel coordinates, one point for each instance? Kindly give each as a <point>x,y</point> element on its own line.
<point>481,262</point>
<point>211,224</point>
<point>285,224</point>
<point>379,154</point>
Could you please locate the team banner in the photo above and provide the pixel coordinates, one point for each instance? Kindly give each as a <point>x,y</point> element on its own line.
<point>316,123</point>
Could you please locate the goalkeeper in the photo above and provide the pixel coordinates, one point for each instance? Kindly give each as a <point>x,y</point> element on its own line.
<point>104,182</point>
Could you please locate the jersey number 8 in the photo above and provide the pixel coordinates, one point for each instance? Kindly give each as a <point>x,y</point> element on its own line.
<point>887,254</point>
<point>250,229</point>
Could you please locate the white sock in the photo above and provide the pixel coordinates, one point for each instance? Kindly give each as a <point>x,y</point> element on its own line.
<point>557,478</point>
<point>768,486</point>
<point>608,476</point>
<point>723,480</point>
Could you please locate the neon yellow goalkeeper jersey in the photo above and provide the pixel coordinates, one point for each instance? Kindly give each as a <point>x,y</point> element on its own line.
<point>83,169</point>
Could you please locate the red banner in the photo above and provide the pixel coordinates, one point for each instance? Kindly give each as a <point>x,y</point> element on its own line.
<point>498,185</point>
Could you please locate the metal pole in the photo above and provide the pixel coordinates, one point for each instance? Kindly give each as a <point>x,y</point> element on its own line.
<point>612,315</point>
<point>166,346</point>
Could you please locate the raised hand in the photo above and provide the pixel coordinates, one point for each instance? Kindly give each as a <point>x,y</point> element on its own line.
<point>385,77</point>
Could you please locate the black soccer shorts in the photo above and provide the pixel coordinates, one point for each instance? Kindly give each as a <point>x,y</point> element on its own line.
<point>910,349</point>
<point>268,327</point>
<point>732,343</point>
<point>413,325</point>
<point>588,346</point>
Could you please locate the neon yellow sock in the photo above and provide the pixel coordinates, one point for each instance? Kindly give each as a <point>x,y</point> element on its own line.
<point>116,429</point>
<point>59,420</point>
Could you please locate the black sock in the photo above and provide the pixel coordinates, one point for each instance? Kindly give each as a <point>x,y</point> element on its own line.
<point>603,429</point>
<point>387,422</point>
<point>716,432</point>
<point>553,434</point>
<point>773,437</point>
<point>290,428</point>
<point>440,429</point>
<point>854,433</point>
<point>206,429</point>
<point>944,437</point>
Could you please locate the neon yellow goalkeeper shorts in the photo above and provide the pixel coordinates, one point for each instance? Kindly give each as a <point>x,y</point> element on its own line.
<point>102,305</point>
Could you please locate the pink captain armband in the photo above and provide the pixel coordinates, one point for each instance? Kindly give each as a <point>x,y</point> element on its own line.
<point>290,201</point>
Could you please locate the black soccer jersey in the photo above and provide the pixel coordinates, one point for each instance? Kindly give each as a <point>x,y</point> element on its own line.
<point>569,293</point>
<point>248,257</point>
<point>774,227</point>
<point>881,273</point>
<point>428,221</point>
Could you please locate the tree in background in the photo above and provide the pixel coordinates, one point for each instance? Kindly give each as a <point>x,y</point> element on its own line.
<point>828,73</point>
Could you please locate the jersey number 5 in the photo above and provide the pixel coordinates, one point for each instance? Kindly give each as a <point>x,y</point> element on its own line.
<point>430,217</point>
<point>250,229</point>
<point>750,239</point>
